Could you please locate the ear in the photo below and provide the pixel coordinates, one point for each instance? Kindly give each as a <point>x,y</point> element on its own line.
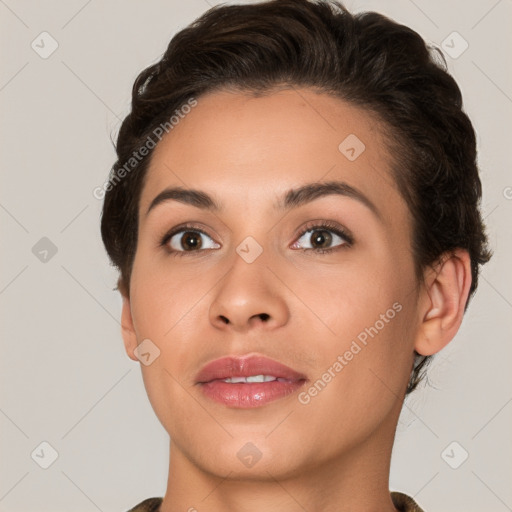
<point>127,329</point>
<point>443,300</point>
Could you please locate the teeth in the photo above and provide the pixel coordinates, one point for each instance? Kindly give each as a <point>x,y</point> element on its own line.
<point>234,380</point>
<point>251,378</point>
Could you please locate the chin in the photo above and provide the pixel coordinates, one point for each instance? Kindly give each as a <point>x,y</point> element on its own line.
<point>250,456</point>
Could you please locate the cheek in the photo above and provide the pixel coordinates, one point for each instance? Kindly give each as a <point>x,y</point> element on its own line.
<point>164,300</point>
<point>362,376</point>
<point>166,306</point>
<point>349,296</point>
<point>365,348</point>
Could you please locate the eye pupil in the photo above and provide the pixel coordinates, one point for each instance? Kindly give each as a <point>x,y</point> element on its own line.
<point>321,238</point>
<point>190,240</point>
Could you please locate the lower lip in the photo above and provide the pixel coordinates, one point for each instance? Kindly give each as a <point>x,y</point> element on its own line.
<point>251,394</point>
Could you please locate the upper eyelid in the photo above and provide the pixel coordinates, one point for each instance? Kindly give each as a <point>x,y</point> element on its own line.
<point>186,227</point>
<point>327,225</point>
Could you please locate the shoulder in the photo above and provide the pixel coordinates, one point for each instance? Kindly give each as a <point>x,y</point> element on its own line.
<point>148,505</point>
<point>405,503</point>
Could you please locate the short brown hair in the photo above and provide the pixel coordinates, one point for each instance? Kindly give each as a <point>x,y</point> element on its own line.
<point>365,59</point>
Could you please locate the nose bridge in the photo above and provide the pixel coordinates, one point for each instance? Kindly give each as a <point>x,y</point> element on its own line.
<point>249,294</point>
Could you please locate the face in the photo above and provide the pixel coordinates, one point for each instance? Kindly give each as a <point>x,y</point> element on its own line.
<point>321,281</point>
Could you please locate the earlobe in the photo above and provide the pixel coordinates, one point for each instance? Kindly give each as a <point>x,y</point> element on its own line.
<point>127,329</point>
<point>443,301</point>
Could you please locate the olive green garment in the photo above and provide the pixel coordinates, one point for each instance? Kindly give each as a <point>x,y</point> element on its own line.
<point>401,501</point>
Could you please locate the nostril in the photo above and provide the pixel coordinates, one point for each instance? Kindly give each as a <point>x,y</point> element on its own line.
<point>264,316</point>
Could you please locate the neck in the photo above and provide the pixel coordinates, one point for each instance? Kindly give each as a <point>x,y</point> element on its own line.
<point>357,482</point>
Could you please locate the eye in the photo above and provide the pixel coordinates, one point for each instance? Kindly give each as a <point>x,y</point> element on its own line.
<point>183,239</point>
<point>323,237</point>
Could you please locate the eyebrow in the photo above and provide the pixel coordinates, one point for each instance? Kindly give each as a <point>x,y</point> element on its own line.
<point>291,199</point>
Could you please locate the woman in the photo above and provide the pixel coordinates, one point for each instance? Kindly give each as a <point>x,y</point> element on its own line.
<point>294,213</point>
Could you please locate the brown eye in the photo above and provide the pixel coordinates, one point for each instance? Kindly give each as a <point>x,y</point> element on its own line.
<point>320,239</point>
<point>188,240</point>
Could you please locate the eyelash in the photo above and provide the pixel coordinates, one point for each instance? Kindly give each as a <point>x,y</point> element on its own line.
<point>326,225</point>
<point>311,226</point>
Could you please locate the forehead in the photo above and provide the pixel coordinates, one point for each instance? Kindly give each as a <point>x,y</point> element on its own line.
<point>237,146</point>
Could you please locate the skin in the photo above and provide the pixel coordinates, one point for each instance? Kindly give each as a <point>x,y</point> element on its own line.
<point>333,453</point>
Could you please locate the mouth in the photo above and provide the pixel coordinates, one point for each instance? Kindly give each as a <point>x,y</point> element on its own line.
<point>247,382</point>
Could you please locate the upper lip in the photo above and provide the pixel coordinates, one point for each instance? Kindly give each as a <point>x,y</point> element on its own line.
<point>244,366</point>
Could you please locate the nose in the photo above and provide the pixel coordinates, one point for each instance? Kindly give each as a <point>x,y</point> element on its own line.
<point>249,297</point>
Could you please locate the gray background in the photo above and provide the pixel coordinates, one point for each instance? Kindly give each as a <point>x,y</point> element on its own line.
<point>65,378</point>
